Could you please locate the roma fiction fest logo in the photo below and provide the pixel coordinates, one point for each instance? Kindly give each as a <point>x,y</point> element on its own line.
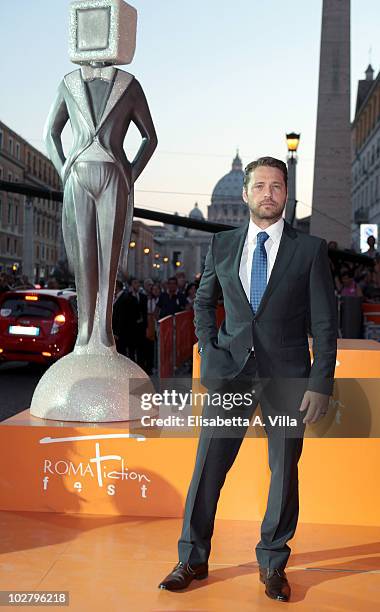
<point>96,468</point>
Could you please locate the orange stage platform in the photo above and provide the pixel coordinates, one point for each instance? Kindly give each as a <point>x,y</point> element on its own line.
<point>115,563</point>
<point>54,466</point>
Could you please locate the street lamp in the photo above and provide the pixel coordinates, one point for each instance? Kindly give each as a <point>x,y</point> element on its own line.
<point>292,140</point>
<point>147,250</point>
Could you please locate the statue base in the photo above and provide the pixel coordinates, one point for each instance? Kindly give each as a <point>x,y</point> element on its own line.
<point>91,386</point>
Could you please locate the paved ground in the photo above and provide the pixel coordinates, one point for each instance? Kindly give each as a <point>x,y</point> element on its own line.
<point>17,383</point>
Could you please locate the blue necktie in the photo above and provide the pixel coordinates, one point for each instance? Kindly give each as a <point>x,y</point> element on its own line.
<point>259,271</point>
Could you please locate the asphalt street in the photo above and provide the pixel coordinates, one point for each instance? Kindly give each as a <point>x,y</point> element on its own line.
<point>17,383</point>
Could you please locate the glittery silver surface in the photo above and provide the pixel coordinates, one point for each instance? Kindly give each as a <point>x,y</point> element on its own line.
<point>122,80</point>
<point>122,34</point>
<point>94,383</point>
<point>75,84</point>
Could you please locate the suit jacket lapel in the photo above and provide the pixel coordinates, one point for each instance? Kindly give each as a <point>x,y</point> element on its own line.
<point>285,253</point>
<point>121,82</point>
<point>238,249</point>
<point>75,85</point>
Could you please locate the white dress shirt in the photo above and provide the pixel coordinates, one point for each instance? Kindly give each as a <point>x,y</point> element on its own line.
<point>271,244</point>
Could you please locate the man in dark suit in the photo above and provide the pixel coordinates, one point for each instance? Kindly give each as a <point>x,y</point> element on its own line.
<point>136,316</point>
<point>276,286</point>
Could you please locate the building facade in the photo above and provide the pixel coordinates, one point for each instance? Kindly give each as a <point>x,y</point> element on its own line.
<point>30,234</point>
<point>141,252</point>
<point>185,249</point>
<point>365,132</point>
<point>180,248</point>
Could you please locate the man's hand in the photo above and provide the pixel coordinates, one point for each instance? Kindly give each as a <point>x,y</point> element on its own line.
<point>316,405</point>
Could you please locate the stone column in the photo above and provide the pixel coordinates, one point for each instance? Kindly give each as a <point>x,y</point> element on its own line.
<point>331,207</point>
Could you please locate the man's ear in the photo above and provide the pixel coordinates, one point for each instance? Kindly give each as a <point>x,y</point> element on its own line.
<point>244,195</point>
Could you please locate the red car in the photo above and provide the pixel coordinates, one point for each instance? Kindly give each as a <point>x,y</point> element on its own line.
<point>38,325</point>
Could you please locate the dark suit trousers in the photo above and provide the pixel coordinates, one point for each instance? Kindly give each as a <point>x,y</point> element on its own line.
<point>217,450</point>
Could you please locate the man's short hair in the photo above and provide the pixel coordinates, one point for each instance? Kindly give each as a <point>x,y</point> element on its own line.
<point>172,278</point>
<point>272,162</point>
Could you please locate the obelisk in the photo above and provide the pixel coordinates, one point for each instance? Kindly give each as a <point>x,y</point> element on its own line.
<point>331,206</point>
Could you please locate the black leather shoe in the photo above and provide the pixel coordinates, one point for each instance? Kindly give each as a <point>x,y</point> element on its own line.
<point>181,576</point>
<point>276,583</point>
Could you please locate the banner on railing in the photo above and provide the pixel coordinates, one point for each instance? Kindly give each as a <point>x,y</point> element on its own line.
<point>165,347</point>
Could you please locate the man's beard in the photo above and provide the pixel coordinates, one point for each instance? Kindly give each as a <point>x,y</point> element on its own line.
<point>267,213</point>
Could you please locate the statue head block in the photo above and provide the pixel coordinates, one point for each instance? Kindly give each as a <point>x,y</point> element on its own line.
<point>102,31</point>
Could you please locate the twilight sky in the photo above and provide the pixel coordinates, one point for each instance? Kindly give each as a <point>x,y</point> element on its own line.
<point>217,74</point>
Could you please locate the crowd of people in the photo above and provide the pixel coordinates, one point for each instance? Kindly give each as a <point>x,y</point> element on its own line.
<point>139,304</point>
<point>356,279</point>
<point>137,308</point>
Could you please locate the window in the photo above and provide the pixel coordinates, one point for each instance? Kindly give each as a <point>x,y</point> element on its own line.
<point>17,150</point>
<point>15,246</point>
<point>10,177</point>
<point>9,212</point>
<point>16,215</point>
<point>8,244</point>
<point>10,145</point>
<point>1,173</point>
<point>1,139</point>
<point>45,308</point>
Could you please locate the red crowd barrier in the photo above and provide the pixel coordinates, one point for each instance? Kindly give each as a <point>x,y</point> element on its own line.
<point>371,312</point>
<point>176,338</point>
<point>165,347</point>
<point>184,336</point>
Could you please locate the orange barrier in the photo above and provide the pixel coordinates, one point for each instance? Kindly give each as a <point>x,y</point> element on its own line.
<point>165,347</point>
<point>371,312</point>
<point>355,359</point>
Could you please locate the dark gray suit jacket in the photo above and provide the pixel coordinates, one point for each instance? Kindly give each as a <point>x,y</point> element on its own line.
<point>299,298</point>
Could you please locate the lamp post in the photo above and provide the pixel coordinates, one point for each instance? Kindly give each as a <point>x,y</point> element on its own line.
<point>292,140</point>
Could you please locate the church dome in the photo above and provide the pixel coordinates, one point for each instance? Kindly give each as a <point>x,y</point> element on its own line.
<point>196,213</point>
<point>230,185</point>
<point>227,204</point>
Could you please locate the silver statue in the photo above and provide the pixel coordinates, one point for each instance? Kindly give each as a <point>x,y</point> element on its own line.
<point>100,101</point>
